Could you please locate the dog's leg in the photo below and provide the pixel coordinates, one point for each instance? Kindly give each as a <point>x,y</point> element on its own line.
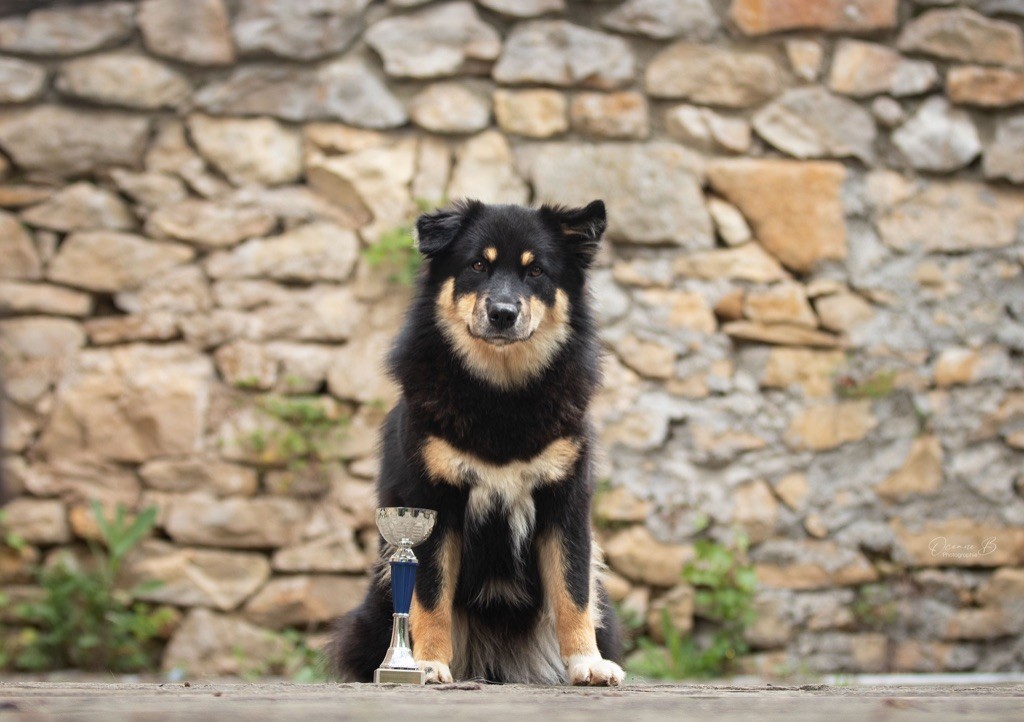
<point>570,586</point>
<point>430,617</point>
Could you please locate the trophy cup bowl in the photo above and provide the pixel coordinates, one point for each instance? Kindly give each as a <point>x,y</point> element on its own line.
<point>403,527</point>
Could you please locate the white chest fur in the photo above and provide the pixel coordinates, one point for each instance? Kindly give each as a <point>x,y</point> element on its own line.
<point>507,488</point>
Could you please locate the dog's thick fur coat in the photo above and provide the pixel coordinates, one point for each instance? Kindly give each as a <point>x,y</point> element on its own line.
<point>497,362</point>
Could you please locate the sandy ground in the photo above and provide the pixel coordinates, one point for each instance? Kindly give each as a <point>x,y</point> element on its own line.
<point>26,700</point>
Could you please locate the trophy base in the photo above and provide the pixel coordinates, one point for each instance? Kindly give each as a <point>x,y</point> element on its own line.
<point>399,676</point>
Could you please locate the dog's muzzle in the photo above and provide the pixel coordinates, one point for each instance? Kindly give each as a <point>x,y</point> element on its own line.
<point>502,315</point>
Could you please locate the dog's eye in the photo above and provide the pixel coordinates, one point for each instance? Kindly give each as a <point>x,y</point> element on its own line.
<point>536,271</point>
<point>478,266</point>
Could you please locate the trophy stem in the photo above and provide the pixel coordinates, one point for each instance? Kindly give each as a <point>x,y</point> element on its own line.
<point>398,664</point>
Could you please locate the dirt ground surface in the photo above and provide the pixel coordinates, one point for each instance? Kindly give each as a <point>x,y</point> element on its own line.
<point>26,700</point>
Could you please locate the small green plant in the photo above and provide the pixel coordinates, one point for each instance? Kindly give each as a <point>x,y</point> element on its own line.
<point>83,619</point>
<point>248,382</point>
<point>632,623</point>
<point>9,538</point>
<point>300,663</point>
<point>305,430</point>
<point>16,543</point>
<point>877,386</point>
<point>724,585</point>
<point>874,606</point>
<point>395,250</point>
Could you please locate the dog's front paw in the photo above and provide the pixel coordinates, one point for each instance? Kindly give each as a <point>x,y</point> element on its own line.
<point>436,672</point>
<point>594,671</point>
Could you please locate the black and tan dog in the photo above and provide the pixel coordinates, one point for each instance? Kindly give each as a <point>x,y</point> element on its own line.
<point>497,362</point>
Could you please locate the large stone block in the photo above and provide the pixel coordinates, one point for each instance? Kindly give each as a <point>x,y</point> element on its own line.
<point>950,217</point>
<point>297,30</point>
<point>37,521</point>
<point>442,40</point>
<point>257,150</point>
<point>20,80</point>
<point>557,52</point>
<point>191,31</point>
<point>811,122</point>
<point>209,224</point>
<point>861,69</point>
<point>346,90</point>
<point>335,552</point>
<point>35,350</point>
<point>110,261</point>
<point>747,262</point>
<point>304,600</point>
<point>938,137</point>
<point>1004,156</point>
<point>80,207</point>
<point>962,34</point>
<point>371,184</point>
<point>786,564</point>
<point>919,475</point>
<point>27,298</point>
<point>129,80</point>
<point>234,523</point>
<point>21,257</point>
<point>484,170</point>
<point>665,175</point>
<point>67,30</point>
<point>208,643</point>
<point>826,426</point>
<point>985,87</point>
<point>319,251</point>
<point>131,403</point>
<point>450,108</point>
<point>191,474</point>
<point>71,142</point>
<point>636,554</point>
<point>661,19</point>
<point>759,17</point>
<point>794,208</point>
<point>712,75</point>
<point>195,577</point>
<point>813,371</point>
<point>531,113</point>
<point>623,115</point>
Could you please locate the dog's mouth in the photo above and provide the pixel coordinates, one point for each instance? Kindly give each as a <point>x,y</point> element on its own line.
<point>498,339</point>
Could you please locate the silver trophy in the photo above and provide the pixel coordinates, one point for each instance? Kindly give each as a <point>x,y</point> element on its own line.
<point>403,527</point>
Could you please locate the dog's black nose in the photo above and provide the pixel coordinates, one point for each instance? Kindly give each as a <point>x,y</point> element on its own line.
<point>503,315</point>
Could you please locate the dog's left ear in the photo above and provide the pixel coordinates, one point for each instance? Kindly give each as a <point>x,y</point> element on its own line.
<point>436,231</point>
<point>582,228</point>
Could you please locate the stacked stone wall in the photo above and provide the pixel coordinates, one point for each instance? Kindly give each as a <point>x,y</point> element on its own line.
<point>812,295</point>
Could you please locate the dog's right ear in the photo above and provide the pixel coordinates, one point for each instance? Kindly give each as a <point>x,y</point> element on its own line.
<point>436,231</point>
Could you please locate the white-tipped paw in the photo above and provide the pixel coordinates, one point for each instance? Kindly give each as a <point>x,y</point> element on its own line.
<point>436,672</point>
<point>595,671</point>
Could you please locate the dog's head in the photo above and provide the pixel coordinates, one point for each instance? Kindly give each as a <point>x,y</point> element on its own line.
<point>504,278</point>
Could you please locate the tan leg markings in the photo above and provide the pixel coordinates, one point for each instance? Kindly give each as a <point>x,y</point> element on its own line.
<point>432,628</point>
<point>576,635</point>
<point>575,626</point>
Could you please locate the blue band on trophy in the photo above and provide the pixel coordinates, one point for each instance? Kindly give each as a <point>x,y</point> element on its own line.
<point>403,580</point>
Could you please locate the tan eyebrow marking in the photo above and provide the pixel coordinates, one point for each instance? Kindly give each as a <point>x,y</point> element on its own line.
<point>491,253</point>
<point>527,258</point>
